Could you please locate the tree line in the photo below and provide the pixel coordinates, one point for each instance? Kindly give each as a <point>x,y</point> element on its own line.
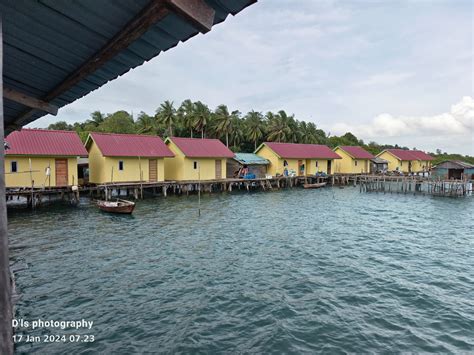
<point>238,131</point>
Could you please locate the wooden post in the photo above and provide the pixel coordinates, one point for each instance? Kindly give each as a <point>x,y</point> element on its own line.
<point>6,340</point>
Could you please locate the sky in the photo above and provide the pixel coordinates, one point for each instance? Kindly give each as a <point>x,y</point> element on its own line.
<point>388,71</point>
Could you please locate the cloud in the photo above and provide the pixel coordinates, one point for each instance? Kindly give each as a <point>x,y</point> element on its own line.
<point>384,79</point>
<point>458,122</point>
<point>325,61</point>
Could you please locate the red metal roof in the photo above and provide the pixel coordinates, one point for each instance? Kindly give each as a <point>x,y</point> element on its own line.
<point>302,151</point>
<point>202,148</point>
<point>45,143</point>
<point>357,152</point>
<point>421,155</point>
<point>130,145</point>
<point>404,154</point>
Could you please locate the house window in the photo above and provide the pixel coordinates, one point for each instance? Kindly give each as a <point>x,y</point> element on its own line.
<point>14,167</point>
<point>120,165</point>
<point>316,163</point>
<point>195,165</point>
<point>285,163</point>
<point>355,162</point>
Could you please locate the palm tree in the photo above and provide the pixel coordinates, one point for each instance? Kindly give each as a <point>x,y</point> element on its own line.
<point>146,124</point>
<point>238,132</point>
<point>277,127</point>
<point>201,117</point>
<point>166,114</point>
<point>186,112</point>
<point>293,134</point>
<point>223,122</point>
<point>97,118</point>
<point>254,126</point>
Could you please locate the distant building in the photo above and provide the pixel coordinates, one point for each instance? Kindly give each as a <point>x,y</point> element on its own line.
<point>378,165</point>
<point>197,159</point>
<point>354,160</point>
<point>117,158</point>
<point>42,158</point>
<point>297,159</point>
<point>454,169</point>
<point>251,163</point>
<point>406,161</point>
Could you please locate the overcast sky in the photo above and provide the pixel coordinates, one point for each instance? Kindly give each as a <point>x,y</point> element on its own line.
<point>388,71</point>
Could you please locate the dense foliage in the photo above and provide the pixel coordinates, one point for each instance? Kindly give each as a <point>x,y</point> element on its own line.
<point>240,132</point>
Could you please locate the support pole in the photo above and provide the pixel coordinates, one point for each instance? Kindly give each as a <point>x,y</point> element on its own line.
<point>6,340</point>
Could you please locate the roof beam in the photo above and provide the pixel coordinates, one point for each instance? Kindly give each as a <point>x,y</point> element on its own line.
<point>148,16</point>
<point>197,12</point>
<point>154,11</point>
<point>29,101</point>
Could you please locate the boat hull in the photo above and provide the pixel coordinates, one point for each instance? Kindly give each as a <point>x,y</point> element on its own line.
<point>116,207</point>
<point>314,186</point>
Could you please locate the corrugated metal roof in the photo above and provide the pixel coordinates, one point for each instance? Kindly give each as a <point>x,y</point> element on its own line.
<point>404,154</point>
<point>454,164</point>
<point>46,41</point>
<point>356,152</point>
<point>302,151</point>
<point>129,145</point>
<point>45,143</point>
<point>250,159</point>
<point>378,160</point>
<point>202,148</point>
<point>421,155</point>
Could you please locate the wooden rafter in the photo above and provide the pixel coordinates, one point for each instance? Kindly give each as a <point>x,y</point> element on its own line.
<point>29,101</point>
<point>197,12</point>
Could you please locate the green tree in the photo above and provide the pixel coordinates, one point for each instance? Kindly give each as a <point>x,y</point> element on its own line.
<point>202,117</point>
<point>166,114</point>
<point>278,129</point>
<point>146,124</point>
<point>186,113</point>
<point>97,118</point>
<point>61,126</point>
<point>223,122</point>
<point>118,122</point>
<point>254,127</point>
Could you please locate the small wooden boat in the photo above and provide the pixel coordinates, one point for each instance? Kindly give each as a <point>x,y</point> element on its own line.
<point>118,206</point>
<point>314,186</point>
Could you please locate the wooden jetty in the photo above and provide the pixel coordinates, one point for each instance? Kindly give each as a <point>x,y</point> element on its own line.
<point>138,190</point>
<point>35,197</point>
<point>416,185</point>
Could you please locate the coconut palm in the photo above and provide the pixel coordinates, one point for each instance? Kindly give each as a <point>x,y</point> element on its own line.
<point>278,129</point>
<point>186,112</point>
<point>202,116</point>
<point>145,124</point>
<point>166,114</point>
<point>254,127</point>
<point>223,122</point>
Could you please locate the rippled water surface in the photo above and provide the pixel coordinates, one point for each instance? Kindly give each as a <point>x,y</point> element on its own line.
<point>293,271</point>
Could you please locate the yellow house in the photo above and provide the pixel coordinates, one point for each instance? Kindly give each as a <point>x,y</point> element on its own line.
<point>42,158</point>
<point>406,161</point>
<point>297,159</point>
<point>355,160</point>
<point>196,159</point>
<point>116,158</point>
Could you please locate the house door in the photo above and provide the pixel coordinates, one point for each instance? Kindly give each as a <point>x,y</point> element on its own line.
<point>300,168</point>
<point>218,169</point>
<point>61,172</point>
<point>152,170</point>
<point>329,166</point>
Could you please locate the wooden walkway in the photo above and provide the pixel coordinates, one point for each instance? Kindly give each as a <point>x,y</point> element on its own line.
<point>416,185</point>
<point>138,190</point>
